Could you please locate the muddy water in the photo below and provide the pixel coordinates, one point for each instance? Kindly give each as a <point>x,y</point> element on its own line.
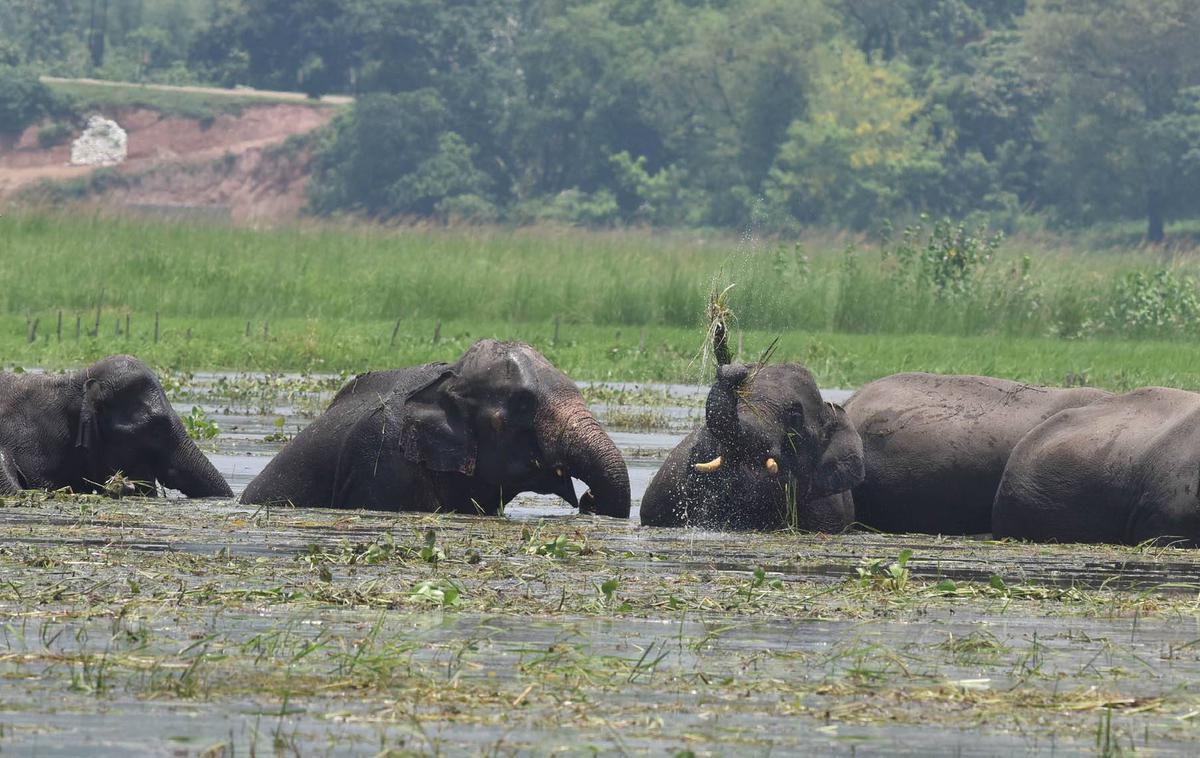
<point>209,628</point>
<point>141,628</point>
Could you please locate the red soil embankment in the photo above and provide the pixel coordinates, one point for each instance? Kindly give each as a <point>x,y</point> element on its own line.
<point>224,163</point>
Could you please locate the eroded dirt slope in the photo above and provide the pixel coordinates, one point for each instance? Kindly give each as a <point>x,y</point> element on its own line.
<point>232,164</point>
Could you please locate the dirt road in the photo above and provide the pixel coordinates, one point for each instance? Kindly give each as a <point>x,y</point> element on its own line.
<point>238,92</point>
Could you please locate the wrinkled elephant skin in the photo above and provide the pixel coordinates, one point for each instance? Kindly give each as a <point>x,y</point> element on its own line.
<point>80,428</point>
<point>465,437</point>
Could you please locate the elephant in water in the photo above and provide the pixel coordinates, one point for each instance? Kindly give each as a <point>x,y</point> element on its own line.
<point>465,437</point>
<point>80,428</point>
<point>936,446</point>
<point>1120,470</point>
<point>770,455</point>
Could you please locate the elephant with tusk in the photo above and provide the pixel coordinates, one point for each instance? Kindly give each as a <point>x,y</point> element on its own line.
<point>466,437</point>
<point>771,455</point>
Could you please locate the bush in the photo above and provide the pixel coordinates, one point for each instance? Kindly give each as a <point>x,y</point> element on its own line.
<point>469,208</point>
<point>947,257</point>
<point>574,207</point>
<point>1154,305</point>
<point>943,278</point>
<point>54,134</point>
<point>24,100</point>
<point>394,155</point>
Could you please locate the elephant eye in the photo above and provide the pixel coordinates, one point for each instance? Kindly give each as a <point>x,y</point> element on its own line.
<point>792,441</point>
<point>522,402</point>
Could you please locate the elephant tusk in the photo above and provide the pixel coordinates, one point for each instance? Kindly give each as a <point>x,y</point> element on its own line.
<point>558,471</point>
<point>708,468</point>
<point>772,466</point>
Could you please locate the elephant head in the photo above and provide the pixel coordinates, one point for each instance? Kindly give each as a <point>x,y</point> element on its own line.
<point>127,424</point>
<point>510,421</point>
<point>771,426</point>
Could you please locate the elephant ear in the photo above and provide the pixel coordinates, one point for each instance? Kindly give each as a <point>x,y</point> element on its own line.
<point>88,435</point>
<point>841,466</point>
<point>435,430</point>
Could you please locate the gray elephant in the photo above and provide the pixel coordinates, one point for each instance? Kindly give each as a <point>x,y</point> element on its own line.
<point>770,455</point>
<point>80,428</point>
<point>936,446</point>
<point>465,437</point>
<point>1120,470</point>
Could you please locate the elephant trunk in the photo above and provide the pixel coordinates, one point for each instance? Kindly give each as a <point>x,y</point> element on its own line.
<point>188,470</point>
<point>721,408</point>
<point>571,434</point>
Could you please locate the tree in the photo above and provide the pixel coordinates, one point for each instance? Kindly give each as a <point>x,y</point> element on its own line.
<point>864,153</point>
<point>465,50</point>
<point>585,98</point>
<point>726,93</point>
<point>923,32</point>
<point>984,108</point>
<point>46,28</point>
<point>395,154</point>
<point>1119,71</point>
<point>448,172</point>
<point>309,45</point>
<point>24,101</point>
<point>97,31</point>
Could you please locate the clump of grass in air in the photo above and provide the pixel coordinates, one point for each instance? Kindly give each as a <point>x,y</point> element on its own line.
<point>720,319</point>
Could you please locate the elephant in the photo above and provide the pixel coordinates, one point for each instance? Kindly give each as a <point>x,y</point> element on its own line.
<point>1121,470</point>
<point>771,455</point>
<point>465,437</point>
<point>80,428</point>
<point>936,446</point>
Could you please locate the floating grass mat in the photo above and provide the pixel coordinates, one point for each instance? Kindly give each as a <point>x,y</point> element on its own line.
<point>226,628</point>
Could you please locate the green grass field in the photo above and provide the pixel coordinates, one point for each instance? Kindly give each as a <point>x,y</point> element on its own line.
<point>629,304</point>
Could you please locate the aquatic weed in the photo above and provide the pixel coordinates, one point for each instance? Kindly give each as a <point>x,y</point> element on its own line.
<point>199,426</point>
<point>879,573</point>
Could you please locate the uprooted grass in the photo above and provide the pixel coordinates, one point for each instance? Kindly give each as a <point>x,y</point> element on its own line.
<point>453,621</point>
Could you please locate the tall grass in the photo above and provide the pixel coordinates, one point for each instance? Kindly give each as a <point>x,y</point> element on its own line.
<point>622,278</point>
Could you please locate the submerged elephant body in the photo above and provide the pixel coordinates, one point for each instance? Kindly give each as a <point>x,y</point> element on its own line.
<point>1121,470</point>
<point>936,446</point>
<point>80,428</point>
<point>465,437</point>
<point>771,455</point>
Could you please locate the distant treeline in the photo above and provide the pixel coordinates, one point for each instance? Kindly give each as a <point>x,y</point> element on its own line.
<point>777,113</point>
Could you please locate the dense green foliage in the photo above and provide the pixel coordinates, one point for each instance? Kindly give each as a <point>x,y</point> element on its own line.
<point>23,101</point>
<point>732,113</point>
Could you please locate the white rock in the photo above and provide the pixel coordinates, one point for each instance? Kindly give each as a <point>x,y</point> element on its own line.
<point>103,143</point>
